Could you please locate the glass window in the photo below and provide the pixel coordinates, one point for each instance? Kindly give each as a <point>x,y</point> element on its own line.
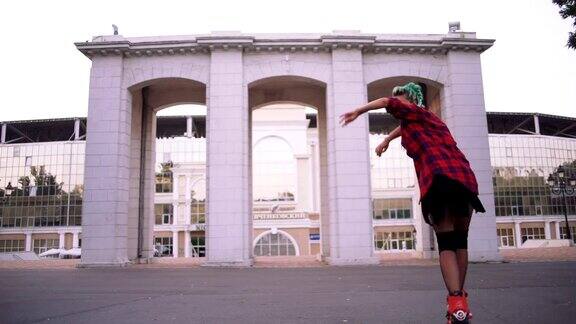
<point>198,242</point>
<point>163,246</point>
<point>198,203</point>
<point>564,234</point>
<point>163,214</point>
<point>43,187</point>
<point>520,182</point>
<point>505,237</point>
<point>164,177</point>
<point>394,169</point>
<point>532,233</point>
<point>395,208</point>
<point>394,241</point>
<point>43,245</point>
<point>11,246</point>
<point>274,245</point>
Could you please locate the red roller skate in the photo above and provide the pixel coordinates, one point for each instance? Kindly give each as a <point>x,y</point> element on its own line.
<point>458,311</point>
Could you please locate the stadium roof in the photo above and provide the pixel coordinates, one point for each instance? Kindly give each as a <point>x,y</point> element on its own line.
<point>63,129</point>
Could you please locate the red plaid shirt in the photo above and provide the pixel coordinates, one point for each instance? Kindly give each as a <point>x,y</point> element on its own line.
<point>429,143</point>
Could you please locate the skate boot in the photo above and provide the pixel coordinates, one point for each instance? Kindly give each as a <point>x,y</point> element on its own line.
<point>458,311</point>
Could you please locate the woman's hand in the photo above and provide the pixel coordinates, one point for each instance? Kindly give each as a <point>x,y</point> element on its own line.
<point>382,147</point>
<point>348,117</point>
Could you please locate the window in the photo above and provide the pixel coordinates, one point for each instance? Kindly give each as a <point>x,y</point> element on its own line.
<point>164,177</point>
<point>521,166</point>
<point>11,246</point>
<point>198,246</point>
<point>44,183</point>
<point>198,203</point>
<point>399,208</point>
<point>505,237</point>
<point>514,210</point>
<point>396,170</point>
<point>43,245</point>
<point>274,245</point>
<point>564,235</point>
<point>394,241</point>
<point>539,210</point>
<point>163,246</point>
<point>163,214</point>
<point>532,233</point>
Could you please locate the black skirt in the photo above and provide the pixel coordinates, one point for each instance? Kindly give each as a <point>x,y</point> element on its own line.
<point>446,194</point>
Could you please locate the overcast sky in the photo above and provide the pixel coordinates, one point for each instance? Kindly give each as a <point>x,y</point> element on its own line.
<point>42,75</point>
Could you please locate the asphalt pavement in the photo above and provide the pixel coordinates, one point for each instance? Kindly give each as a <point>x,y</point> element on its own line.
<point>499,293</point>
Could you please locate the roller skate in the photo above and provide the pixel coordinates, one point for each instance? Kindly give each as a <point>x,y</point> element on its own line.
<point>458,311</point>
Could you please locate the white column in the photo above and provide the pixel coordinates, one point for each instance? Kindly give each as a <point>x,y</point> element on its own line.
<point>75,240</point>
<point>28,242</point>
<point>229,223</point>
<point>62,240</point>
<point>106,176</point>
<point>76,129</point>
<point>557,228</point>
<point>174,213</point>
<point>175,244</point>
<point>188,197</point>
<point>536,124</point>
<point>547,230</point>
<point>349,216</point>
<point>3,134</point>
<point>303,177</point>
<point>189,126</point>
<point>517,234</point>
<point>465,115</point>
<point>175,190</point>
<point>314,178</point>
<point>187,244</point>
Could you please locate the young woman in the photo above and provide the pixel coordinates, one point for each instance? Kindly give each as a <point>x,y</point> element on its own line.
<point>448,187</point>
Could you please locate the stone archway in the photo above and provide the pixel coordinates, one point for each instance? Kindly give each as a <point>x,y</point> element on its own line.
<point>122,143</point>
<point>241,71</point>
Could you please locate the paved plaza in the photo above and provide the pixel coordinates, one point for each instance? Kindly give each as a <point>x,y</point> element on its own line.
<point>530,292</point>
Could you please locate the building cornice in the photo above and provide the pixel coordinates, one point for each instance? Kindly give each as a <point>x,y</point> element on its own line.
<point>368,43</point>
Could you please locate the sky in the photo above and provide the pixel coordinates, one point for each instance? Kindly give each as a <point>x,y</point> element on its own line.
<point>42,75</point>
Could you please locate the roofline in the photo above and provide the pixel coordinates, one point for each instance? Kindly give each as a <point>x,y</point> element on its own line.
<point>504,113</point>
<point>501,113</point>
<point>22,121</point>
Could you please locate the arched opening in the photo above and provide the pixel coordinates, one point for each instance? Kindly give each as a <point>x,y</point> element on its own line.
<point>275,243</point>
<point>168,153</point>
<point>397,219</point>
<point>432,90</point>
<point>288,159</point>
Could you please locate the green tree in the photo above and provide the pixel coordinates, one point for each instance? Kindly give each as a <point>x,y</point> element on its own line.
<point>45,182</point>
<point>568,10</point>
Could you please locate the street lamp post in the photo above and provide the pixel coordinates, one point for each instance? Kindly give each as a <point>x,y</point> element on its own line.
<point>560,184</point>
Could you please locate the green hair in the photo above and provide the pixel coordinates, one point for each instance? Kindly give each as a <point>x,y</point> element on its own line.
<point>412,91</point>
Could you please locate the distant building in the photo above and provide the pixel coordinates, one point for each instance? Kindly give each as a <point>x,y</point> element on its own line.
<point>42,167</point>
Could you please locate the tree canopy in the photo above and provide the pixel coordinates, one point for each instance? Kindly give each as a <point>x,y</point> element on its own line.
<point>568,10</point>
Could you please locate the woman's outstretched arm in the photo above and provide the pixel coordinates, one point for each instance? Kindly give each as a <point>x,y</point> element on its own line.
<point>350,116</point>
